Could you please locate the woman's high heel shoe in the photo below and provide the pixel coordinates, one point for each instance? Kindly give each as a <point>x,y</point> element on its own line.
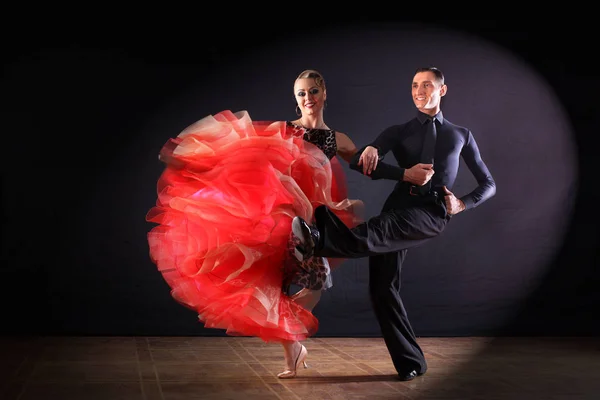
<point>299,294</point>
<point>300,360</point>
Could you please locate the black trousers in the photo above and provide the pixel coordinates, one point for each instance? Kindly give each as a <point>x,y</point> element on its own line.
<point>405,222</point>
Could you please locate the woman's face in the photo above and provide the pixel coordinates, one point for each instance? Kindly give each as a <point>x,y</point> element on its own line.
<point>309,96</point>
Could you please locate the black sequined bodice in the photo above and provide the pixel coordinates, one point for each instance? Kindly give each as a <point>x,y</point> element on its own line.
<point>324,139</point>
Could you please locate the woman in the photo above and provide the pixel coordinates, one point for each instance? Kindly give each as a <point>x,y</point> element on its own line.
<point>225,204</point>
<point>313,275</point>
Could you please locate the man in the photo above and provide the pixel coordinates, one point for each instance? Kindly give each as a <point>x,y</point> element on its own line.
<point>427,149</point>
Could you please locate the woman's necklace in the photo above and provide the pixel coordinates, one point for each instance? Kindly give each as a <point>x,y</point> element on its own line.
<point>306,126</point>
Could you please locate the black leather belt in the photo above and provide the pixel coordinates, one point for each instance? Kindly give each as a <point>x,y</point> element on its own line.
<point>414,190</point>
<point>411,190</point>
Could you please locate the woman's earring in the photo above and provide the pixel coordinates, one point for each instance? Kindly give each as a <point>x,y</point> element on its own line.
<point>298,112</point>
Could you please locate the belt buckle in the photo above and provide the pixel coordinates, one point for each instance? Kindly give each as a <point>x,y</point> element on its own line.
<point>411,191</point>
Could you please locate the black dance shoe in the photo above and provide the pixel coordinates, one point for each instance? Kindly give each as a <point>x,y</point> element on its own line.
<point>308,237</point>
<point>409,376</point>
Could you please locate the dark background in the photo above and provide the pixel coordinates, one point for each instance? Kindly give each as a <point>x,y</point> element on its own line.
<point>87,106</point>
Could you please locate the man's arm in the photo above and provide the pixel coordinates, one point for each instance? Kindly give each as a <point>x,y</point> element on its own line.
<point>486,186</point>
<point>383,170</point>
<point>383,143</point>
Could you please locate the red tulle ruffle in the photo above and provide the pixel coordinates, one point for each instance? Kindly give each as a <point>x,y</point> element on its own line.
<point>225,204</point>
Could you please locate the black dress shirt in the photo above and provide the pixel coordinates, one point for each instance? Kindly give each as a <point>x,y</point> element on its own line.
<point>405,141</point>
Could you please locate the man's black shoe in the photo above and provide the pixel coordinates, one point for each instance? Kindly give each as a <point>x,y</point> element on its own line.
<point>410,376</point>
<point>308,237</point>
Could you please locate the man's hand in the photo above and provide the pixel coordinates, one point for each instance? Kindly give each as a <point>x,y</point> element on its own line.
<point>419,174</point>
<point>454,205</point>
<point>368,159</point>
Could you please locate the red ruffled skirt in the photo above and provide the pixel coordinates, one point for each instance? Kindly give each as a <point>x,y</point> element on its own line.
<point>225,204</point>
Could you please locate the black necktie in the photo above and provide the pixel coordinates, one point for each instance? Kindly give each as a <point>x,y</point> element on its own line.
<point>428,152</point>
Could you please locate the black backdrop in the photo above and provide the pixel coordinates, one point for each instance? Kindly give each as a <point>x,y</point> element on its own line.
<point>87,106</point>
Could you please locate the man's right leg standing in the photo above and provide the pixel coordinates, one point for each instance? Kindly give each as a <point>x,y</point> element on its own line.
<point>384,289</point>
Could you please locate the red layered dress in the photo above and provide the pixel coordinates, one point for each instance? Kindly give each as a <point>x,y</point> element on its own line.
<point>226,200</point>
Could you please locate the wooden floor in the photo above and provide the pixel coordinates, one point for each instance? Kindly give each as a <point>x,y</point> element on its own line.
<point>173,368</point>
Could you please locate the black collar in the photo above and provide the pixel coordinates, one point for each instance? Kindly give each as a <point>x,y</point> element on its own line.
<point>422,117</point>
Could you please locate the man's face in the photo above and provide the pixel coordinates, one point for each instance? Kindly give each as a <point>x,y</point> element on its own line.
<point>427,92</point>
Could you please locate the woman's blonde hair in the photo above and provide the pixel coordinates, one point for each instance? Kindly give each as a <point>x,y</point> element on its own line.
<point>314,74</point>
